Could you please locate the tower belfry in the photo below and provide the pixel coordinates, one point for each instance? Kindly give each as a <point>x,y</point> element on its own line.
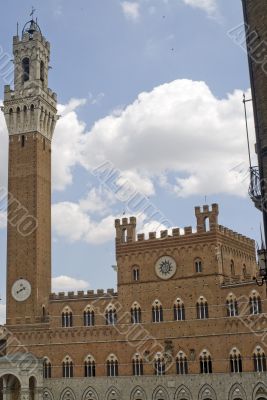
<point>31,114</point>
<point>31,106</point>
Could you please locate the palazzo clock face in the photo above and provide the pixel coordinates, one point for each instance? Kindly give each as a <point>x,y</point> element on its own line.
<point>165,267</point>
<point>21,290</point>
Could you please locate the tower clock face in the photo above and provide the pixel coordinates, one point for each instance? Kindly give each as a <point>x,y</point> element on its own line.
<point>165,267</point>
<point>21,290</point>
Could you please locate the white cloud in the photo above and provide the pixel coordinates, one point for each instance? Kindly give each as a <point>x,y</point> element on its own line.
<point>2,314</point>
<point>98,201</point>
<point>209,6</point>
<point>3,221</point>
<point>142,184</point>
<point>66,283</point>
<point>131,10</point>
<point>178,127</point>
<point>73,223</point>
<point>67,144</point>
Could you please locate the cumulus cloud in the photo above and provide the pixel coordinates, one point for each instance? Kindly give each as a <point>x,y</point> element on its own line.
<point>74,224</point>
<point>97,201</point>
<point>209,6</point>
<point>179,136</point>
<point>66,143</point>
<point>71,222</point>
<point>178,127</point>
<point>2,314</point>
<point>66,283</point>
<point>131,10</point>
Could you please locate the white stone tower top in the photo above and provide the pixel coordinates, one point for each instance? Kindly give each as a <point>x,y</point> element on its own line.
<point>31,106</point>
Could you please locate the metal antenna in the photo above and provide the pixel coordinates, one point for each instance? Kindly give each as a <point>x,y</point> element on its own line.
<point>246,118</point>
<point>33,11</point>
<point>17,29</point>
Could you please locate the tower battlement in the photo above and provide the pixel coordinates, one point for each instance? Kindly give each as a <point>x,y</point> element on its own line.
<point>90,294</point>
<point>207,223</point>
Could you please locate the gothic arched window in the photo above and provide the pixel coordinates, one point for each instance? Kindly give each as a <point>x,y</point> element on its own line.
<point>157,312</point>
<point>67,367</point>
<point>181,363</point>
<point>111,315</point>
<point>259,359</point>
<point>235,361</point>
<point>66,317</point>
<point>89,367</point>
<point>179,310</point>
<point>112,366</point>
<point>136,274</point>
<point>47,369</point>
<point>205,362</point>
<point>198,265</point>
<point>25,69</point>
<point>232,306</point>
<point>232,266</point>
<point>89,316</point>
<point>137,363</point>
<point>136,314</point>
<point>159,365</point>
<point>255,303</point>
<point>202,308</point>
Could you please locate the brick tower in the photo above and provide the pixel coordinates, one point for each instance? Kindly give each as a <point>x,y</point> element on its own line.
<point>31,115</point>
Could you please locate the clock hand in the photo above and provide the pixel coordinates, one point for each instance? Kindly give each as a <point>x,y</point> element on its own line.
<point>21,290</point>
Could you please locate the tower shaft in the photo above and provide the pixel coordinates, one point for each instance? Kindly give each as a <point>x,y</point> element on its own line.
<point>31,115</point>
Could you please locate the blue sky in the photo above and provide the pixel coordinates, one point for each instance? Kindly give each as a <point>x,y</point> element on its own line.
<point>153,87</point>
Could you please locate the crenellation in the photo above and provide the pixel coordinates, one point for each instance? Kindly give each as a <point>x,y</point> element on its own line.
<point>81,295</point>
<point>152,235</point>
<point>140,237</point>
<point>163,234</point>
<point>188,230</point>
<point>176,232</point>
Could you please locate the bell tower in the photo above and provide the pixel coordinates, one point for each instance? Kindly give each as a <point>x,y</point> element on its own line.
<point>31,115</point>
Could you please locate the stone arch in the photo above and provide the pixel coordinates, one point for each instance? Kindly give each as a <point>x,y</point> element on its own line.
<point>67,394</point>
<point>138,393</point>
<point>260,392</point>
<point>207,393</point>
<point>48,394</point>
<point>113,394</point>
<point>90,394</point>
<point>183,393</point>
<point>12,384</point>
<point>160,393</point>
<point>237,392</point>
